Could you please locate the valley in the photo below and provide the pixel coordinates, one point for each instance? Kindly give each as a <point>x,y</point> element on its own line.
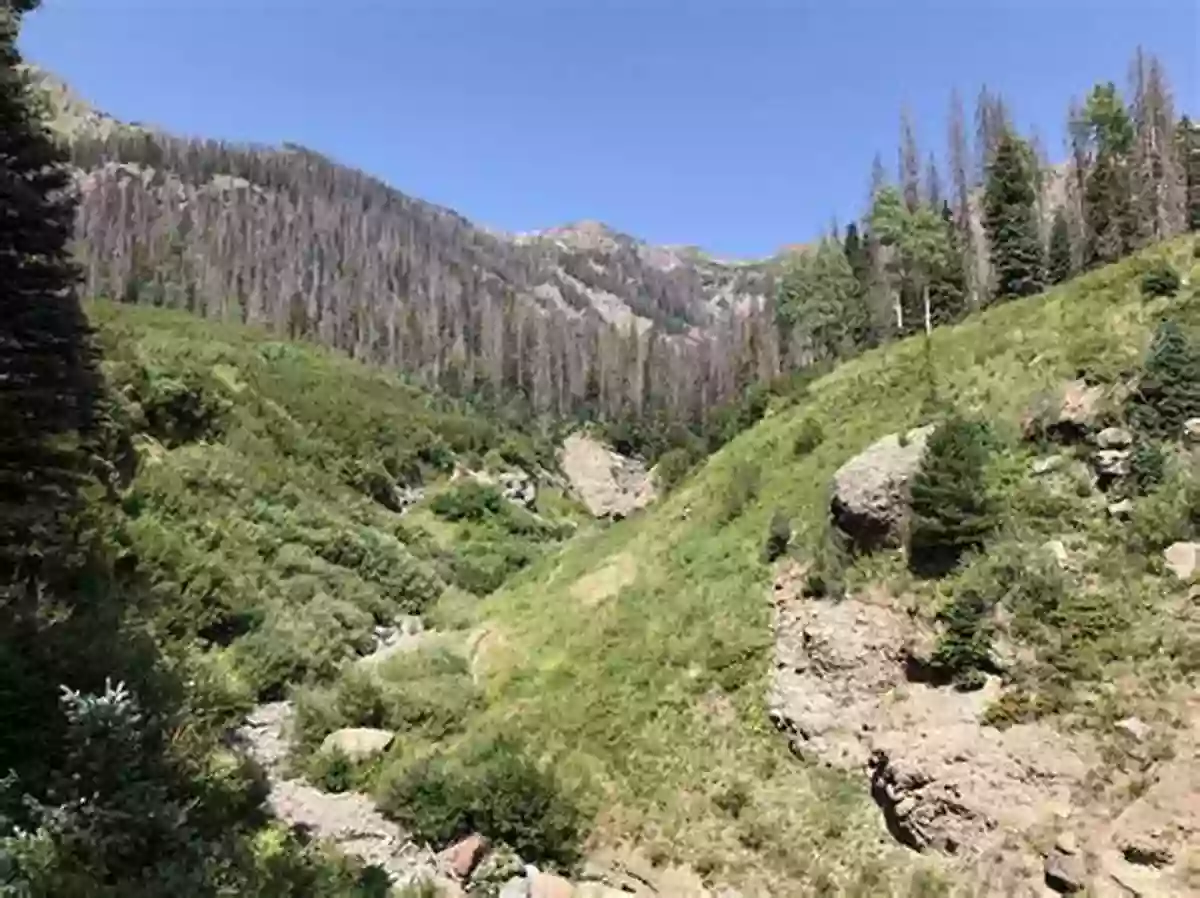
<point>351,550</point>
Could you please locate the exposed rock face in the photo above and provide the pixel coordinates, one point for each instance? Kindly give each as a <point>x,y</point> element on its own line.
<point>844,692</point>
<point>870,492</point>
<point>1069,416</point>
<point>358,743</point>
<point>1114,438</point>
<point>608,483</point>
<point>1191,431</point>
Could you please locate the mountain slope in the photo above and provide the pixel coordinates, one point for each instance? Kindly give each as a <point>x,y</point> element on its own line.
<point>663,622</point>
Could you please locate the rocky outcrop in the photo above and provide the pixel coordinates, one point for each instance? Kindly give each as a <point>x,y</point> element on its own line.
<point>609,484</point>
<point>870,492</point>
<point>1182,559</point>
<point>358,743</point>
<point>1068,415</point>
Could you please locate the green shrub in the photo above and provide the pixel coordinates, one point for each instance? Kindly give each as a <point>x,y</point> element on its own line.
<point>468,501</point>
<point>1147,467</point>
<point>494,790</point>
<point>332,771</point>
<point>952,512</point>
<point>1160,280</point>
<point>779,535</point>
<point>739,489</point>
<point>826,576</point>
<point>808,437</point>
<point>180,408</point>
<point>1168,391</point>
<point>672,467</point>
<point>963,652</point>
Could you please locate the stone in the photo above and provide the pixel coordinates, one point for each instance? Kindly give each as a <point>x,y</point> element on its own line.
<point>1066,843</point>
<point>1067,417</point>
<point>1114,438</point>
<point>1056,548</point>
<point>547,885</point>
<point>1135,727</point>
<point>871,502</point>
<point>461,858</point>
<point>1066,873</point>
<point>1122,510</point>
<point>517,887</point>
<point>1047,465</point>
<point>1182,559</point>
<point>598,890</point>
<point>358,743</point>
<point>609,484</point>
<point>1113,463</point>
<point>1191,431</point>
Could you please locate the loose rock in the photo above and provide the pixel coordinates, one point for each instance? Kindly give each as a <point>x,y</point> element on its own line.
<point>1183,559</point>
<point>1066,873</point>
<point>1122,510</point>
<point>871,502</point>
<point>1191,431</point>
<point>358,743</point>
<point>461,858</point>
<point>1114,438</point>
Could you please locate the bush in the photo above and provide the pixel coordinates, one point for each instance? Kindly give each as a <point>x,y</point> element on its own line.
<point>672,467</point>
<point>739,489</point>
<point>468,501</point>
<point>826,577</point>
<point>779,534</point>
<point>332,771</point>
<point>1147,467</point>
<point>1160,280</point>
<point>180,409</point>
<point>494,790</point>
<point>952,512</point>
<point>808,437</point>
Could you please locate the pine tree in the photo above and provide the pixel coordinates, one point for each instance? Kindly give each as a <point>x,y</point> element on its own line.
<point>951,510</point>
<point>1059,267</point>
<point>1010,218</point>
<point>1187,137</point>
<point>948,288</point>
<point>862,331</point>
<point>1108,193</point>
<point>1168,390</point>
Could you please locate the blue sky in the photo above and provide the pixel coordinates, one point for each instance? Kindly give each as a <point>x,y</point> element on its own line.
<point>736,126</point>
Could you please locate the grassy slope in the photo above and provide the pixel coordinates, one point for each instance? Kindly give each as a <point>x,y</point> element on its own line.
<point>652,693</point>
<point>254,509</point>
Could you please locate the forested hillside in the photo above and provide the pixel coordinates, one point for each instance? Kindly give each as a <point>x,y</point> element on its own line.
<point>582,320</point>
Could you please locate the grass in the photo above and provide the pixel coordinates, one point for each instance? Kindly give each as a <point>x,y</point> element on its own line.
<point>651,702</point>
<point>266,485</point>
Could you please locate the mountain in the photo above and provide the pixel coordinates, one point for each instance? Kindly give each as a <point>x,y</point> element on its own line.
<point>575,318</point>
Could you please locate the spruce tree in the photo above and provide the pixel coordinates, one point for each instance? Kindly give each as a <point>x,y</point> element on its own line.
<point>948,287</point>
<point>1187,136</point>
<point>1108,190</point>
<point>1168,390</point>
<point>1058,267</point>
<point>951,510</point>
<point>1010,218</point>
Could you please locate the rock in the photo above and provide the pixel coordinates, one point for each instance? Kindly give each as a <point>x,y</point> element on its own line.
<point>1135,727</point>
<point>870,491</point>
<point>517,887</point>
<point>447,888</point>
<point>547,885</point>
<point>598,890</point>
<point>358,743</point>
<point>1068,417</point>
<point>611,485</point>
<point>1112,464</point>
<point>1122,510</point>
<point>1114,438</point>
<point>1056,548</point>
<point>518,487</point>
<point>1066,873</point>
<point>1182,559</point>
<point>1046,465</point>
<point>461,858</point>
<point>1191,431</point>
<point>1066,843</point>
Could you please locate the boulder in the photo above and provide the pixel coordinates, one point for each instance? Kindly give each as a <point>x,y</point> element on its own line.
<point>870,492</point>
<point>1122,510</point>
<point>358,743</point>
<point>547,885</point>
<point>518,487</point>
<point>1066,873</point>
<point>1047,465</point>
<point>1112,464</point>
<point>517,887</point>
<point>1135,727</point>
<point>1114,438</point>
<point>1056,548</point>
<point>1068,417</point>
<point>461,858</point>
<point>1182,559</point>
<point>1191,431</point>
<point>609,484</point>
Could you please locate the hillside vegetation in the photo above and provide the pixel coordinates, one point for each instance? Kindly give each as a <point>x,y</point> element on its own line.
<point>663,622</point>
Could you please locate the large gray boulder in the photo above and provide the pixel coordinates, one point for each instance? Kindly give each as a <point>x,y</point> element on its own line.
<point>358,743</point>
<point>870,492</point>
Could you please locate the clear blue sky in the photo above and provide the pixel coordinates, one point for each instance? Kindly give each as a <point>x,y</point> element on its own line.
<point>736,125</point>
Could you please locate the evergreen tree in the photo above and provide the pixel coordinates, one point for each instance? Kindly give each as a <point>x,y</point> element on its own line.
<point>1187,137</point>
<point>951,510</point>
<point>1108,191</point>
<point>862,332</point>
<point>819,303</point>
<point>1168,390</point>
<point>948,288</point>
<point>1059,268</point>
<point>1010,218</point>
